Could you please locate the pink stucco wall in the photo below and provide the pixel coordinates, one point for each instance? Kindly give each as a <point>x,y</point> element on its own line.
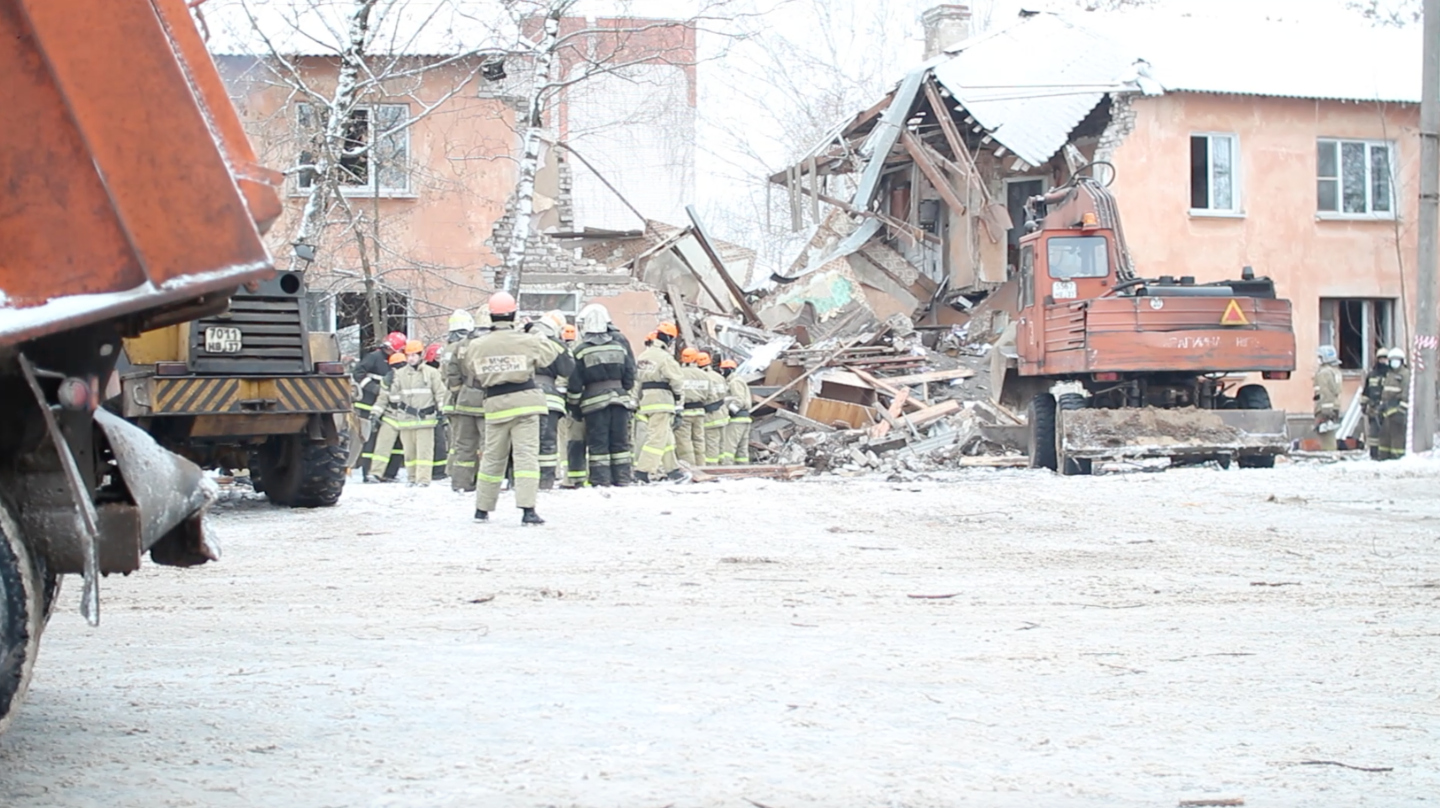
<point>1278,232</point>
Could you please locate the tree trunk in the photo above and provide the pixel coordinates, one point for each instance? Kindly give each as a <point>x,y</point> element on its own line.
<point>514,261</point>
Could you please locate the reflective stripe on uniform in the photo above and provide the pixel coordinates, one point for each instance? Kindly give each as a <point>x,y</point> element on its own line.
<point>730,456</point>
<point>620,458</point>
<point>554,402</point>
<point>741,420</point>
<point>527,475</point>
<point>514,412</point>
<point>488,479</point>
<point>580,473</point>
<point>363,407</point>
<point>465,464</point>
<point>461,409</point>
<point>717,423</point>
<point>653,450</point>
<point>657,408</point>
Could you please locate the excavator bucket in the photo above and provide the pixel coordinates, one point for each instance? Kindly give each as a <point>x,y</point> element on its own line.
<point>1184,433</point>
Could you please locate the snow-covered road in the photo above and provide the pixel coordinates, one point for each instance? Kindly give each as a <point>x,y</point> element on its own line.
<point>986,638</point>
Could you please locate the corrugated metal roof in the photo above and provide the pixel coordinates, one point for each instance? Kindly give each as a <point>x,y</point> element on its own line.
<point>320,27</point>
<point>1323,58</point>
<point>1031,82</point>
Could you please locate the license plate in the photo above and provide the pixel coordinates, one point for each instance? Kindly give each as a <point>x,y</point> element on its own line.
<point>1063,290</point>
<point>222,340</point>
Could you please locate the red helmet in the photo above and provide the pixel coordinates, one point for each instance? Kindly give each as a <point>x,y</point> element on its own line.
<point>432,352</point>
<point>502,303</point>
<point>395,341</point>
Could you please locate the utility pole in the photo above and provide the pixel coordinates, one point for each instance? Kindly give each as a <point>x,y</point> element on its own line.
<point>1427,325</point>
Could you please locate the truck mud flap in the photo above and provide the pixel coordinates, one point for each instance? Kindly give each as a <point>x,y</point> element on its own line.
<point>1185,432</point>
<point>171,495</point>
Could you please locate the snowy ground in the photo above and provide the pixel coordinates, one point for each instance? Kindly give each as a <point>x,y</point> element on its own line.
<point>1117,641</point>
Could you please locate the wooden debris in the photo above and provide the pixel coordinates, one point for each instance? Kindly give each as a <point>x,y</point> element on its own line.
<point>1347,766</point>
<point>1218,802</point>
<point>893,412</point>
<point>932,376</point>
<point>707,474</point>
<point>1001,462</point>
<point>934,597</point>
<point>930,415</point>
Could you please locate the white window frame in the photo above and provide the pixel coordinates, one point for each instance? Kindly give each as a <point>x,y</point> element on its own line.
<point>1370,214</point>
<point>576,301</point>
<point>1236,210</point>
<point>299,188</point>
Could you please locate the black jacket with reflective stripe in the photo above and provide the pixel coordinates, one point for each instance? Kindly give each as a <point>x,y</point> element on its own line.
<point>600,358</point>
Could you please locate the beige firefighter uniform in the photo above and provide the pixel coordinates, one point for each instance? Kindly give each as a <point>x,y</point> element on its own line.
<point>717,416</point>
<point>690,436</point>
<point>387,436</point>
<point>660,379</point>
<point>416,395</point>
<point>467,418</point>
<point>1327,405</point>
<point>737,434</point>
<point>503,364</point>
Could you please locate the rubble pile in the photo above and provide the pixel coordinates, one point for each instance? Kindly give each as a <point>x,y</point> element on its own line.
<point>898,401</point>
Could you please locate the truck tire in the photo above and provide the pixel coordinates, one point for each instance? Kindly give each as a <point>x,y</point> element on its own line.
<point>23,611</point>
<point>296,473</point>
<point>1253,397</point>
<point>1040,420</point>
<point>1069,402</point>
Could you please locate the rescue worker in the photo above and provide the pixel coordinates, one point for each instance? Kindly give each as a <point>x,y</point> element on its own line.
<point>662,382</point>
<point>503,364</point>
<point>1394,407</point>
<point>737,434</point>
<point>598,391</point>
<point>717,417</point>
<point>416,393</point>
<point>552,379</point>
<point>369,376</point>
<point>1374,384</point>
<point>1327,397</point>
<point>467,409</point>
<point>637,420</point>
<point>577,468</point>
<point>438,466</point>
<point>690,434</point>
<point>384,456</point>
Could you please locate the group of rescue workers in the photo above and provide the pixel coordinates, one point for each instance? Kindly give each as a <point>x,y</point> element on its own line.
<point>508,395</point>
<point>1385,401</point>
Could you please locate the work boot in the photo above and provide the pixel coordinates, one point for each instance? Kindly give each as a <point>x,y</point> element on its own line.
<point>621,475</point>
<point>531,517</point>
<point>678,476</point>
<point>599,475</point>
<point>642,477</point>
<point>482,516</point>
<point>371,478</point>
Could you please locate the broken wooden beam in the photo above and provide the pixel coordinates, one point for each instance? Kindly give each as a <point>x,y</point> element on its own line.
<point>932,173</point>
<point>930,415</point>
<point>932,376</point>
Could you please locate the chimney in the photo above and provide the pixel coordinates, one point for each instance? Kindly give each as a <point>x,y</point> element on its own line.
<point>945,25</point>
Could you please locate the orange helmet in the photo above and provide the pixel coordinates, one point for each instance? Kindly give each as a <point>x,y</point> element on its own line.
<point>397,358</point>
<point>689,355</point>
<point>568,332</point>
<point>668,329</point>
<point>395,341</point>
<point>703,359</point>
<point>652,336</point>
<point>728,364</point>
<point>502,303</point>
<point>414,346</point>
<point>432,352</point>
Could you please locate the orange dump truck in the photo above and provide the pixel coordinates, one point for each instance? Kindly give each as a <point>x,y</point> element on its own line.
<point>129,200</point>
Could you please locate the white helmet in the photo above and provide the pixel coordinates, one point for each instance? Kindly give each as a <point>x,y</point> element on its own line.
<point>462,321</point>
<point>1397,353</point>
<point>593,319</point>
<point>483,318</point>
<point>551,323</point>
<point>1327,355</point>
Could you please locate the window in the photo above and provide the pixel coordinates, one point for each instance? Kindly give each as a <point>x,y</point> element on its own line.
<point>1027,275</point>
<point>377,146</point>
<point>1355,178</point>
<point>1077,257</point>
<point>1357,328</point>
<point>1212,174</point>
<point>540,302</point>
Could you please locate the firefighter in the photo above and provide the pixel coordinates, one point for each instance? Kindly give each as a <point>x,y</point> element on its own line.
<point>552,379</point>
<point>599,392</point>
<point>1374,384</point>
<point>1394,407</point>
<point>467,408</point>
<point>415,397</point>
<point>662,382</point>
<point>384,455</point>
<point>737,434</point>
<point>690,433</point>
<point>637,420</point>
<point>1327,397</point>
<point>438,466</point>
<point>370,375</point>
<point>717,417</point>
<point>576,466</point>
<point>503,364</point>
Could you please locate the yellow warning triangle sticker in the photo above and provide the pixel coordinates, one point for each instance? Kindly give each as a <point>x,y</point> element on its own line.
<point>1233,315</point>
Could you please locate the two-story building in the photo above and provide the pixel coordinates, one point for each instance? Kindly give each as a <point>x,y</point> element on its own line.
<point>1287,147</point>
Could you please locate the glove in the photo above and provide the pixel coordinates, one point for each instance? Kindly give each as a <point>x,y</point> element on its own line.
<point>675,421</point>
<point>443,419</point>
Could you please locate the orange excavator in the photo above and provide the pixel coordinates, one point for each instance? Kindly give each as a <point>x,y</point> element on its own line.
<point>1113,366</point>
<point>131,201</point>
